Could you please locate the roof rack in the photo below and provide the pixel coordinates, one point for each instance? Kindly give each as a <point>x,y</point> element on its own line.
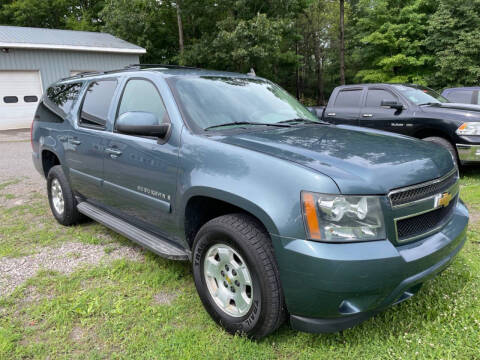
<point>127,68</point>
<point>168,66</point>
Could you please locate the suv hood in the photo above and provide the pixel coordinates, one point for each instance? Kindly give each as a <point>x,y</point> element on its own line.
<point>467,112</point>
<point>359,160</point>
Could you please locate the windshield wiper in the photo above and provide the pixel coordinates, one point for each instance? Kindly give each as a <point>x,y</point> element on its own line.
<point>301,120</point>
<point>245,123</point>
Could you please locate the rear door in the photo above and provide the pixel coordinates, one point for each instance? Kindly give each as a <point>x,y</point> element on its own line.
<point>140,172</point>
<point>84,152</point>
<point>385,118</point>
<point>345,108</point>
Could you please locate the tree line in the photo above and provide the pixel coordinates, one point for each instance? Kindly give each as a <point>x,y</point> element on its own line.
<point>307,46</point>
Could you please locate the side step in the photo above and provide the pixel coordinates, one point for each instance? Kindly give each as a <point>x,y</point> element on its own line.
<point>151,242</point>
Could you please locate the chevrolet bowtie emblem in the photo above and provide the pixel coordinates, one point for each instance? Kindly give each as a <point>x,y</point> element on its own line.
<point>442,200</point>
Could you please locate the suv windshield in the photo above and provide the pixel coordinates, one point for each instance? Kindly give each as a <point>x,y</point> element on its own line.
<point>420,95</point>
<point>224,102</point>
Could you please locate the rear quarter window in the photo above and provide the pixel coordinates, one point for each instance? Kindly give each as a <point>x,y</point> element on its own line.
<point>60,98</point>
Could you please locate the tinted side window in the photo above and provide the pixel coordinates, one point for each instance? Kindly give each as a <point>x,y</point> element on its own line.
<point>61,97</point>
<point>97,103</point>
<point>348,98</point>
<point>460,96</point>
<point>142,95</point>
<point>375,97</point>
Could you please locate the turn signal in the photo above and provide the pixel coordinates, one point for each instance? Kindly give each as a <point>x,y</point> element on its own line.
<point>311,216</point>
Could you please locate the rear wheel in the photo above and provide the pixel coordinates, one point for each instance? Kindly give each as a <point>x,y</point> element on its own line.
<point>446,144</point>
<point>236,275</point>
<point>61,198</point>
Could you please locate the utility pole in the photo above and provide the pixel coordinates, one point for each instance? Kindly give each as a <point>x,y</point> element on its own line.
<point>342,42</point>
<point>180,28</point>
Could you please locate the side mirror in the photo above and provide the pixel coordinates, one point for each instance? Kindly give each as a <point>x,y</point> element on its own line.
<point>392,104</point>
<point>141,123</point>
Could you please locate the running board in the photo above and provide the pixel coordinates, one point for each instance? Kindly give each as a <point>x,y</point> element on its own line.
<point>151,242</point>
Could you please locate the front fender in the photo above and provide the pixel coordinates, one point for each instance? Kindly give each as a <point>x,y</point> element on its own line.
<point>264,185</point>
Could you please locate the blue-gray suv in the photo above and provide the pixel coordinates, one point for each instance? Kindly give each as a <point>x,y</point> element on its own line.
<point>281,214</point>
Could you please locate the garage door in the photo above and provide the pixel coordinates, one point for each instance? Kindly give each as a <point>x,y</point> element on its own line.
<point>19,95</point>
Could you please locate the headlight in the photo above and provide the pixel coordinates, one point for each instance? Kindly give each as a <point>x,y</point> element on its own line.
<point>337,218</point>
<point>469,128</point>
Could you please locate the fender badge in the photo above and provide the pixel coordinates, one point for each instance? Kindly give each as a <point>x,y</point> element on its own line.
<point>442,200</point>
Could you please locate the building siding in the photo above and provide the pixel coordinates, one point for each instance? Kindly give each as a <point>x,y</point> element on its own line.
<point>54,65</point>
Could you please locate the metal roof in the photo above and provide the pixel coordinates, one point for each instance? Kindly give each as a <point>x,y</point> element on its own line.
<point>53,39</point>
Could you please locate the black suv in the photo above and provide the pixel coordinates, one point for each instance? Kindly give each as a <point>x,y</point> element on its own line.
<point>411,110</point>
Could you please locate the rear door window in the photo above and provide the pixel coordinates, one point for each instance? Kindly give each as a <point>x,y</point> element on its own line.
<point>348,98</point>
<point>96,104</point>
<point>460,96</point>
<point>376,96</point>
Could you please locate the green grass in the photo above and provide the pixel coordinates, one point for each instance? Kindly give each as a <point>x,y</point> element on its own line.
<point>109,311</point>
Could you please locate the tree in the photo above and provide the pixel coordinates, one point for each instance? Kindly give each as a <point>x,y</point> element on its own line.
<point>58,14</point>
<point>454,40</point>
<point>149,23</point>
<point>390,41</point>
<point>317,47</point>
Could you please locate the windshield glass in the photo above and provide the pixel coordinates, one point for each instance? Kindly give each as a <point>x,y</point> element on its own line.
<point>210,101</point>
<point>420,95</point>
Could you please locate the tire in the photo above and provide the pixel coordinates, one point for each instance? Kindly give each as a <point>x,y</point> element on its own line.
<point>447,145</point>
<point>251,246</point>
<point>56,180</point>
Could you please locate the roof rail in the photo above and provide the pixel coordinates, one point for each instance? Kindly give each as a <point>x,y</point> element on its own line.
<point>168,66</point>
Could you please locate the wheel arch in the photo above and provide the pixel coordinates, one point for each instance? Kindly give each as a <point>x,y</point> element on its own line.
<point>49,159</point>
<point>428,132</point>
<point>205,204</point>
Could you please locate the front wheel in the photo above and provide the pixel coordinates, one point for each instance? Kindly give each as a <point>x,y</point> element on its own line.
<point>236,275</point>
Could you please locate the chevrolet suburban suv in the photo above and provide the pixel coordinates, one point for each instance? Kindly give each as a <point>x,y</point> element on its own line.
<point>411,110</point>
<point>281,215</point>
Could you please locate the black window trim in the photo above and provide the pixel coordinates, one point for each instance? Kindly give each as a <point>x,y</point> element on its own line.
<point>84,96</point>
<point>114,129</point>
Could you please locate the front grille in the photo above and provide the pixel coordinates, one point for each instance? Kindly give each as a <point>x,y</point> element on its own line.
<point>424,223</point>
<point>422,191</point>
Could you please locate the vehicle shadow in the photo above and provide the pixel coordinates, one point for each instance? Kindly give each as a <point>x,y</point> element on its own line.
<point>470,170</point>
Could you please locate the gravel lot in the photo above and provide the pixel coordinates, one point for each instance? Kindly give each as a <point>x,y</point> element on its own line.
<point>25,183</point>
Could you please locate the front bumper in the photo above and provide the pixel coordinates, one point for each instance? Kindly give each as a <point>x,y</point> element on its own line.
<point>331,287</point>
<point>468,153</point>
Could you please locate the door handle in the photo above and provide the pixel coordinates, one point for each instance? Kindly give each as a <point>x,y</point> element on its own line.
<point>331,114</point>
<point>74,141</point>
<point>367,115</point>
<point>113,152</point>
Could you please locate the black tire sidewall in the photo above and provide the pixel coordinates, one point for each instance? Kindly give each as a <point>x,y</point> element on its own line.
<point>208,237</point>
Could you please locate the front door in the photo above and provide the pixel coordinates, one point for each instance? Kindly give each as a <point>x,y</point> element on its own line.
<point>384,118</point>
<point>140,172</point>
